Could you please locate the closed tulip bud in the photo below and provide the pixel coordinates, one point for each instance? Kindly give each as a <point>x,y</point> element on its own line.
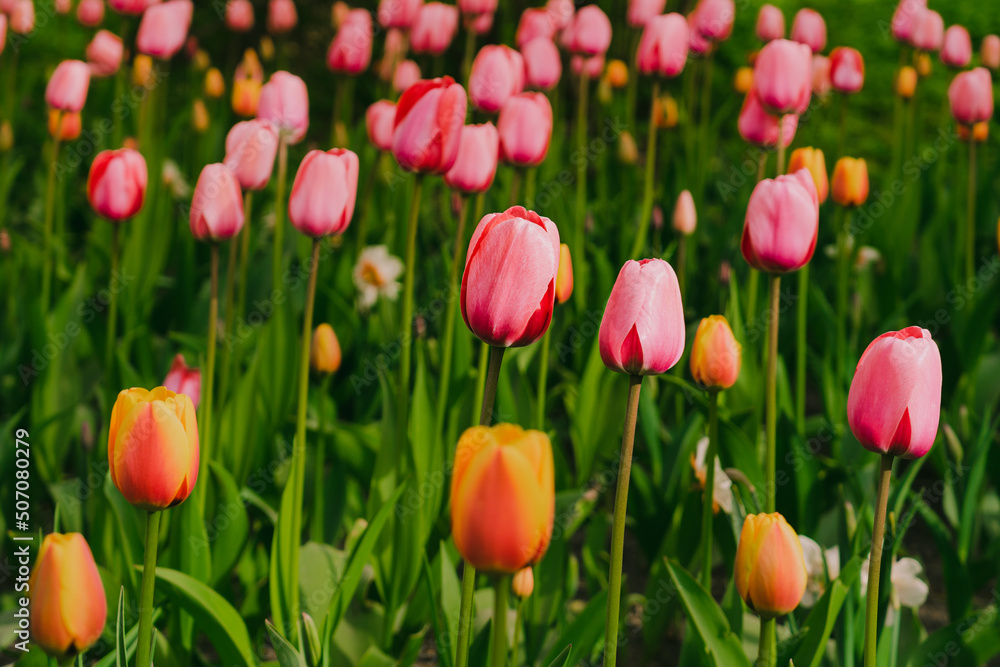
<point>239,15</point>
<point>267,48</point>
<point>284,101</point>
<point>251,146</point>
<point>502,497</point>
<point>906,82</point>
<point>895,399</point>
<point>980,132</point>
<point>142,71</point>
<point>429,119</point>
<point>406,74</point>
<point>282,16</point>
<point>477,7</point>
<point>847,70</point>
<point>923,64</point>
<point>712,20</point>
<point>246,97</point>
<point>809,28</point>
<point>592,66</point>
<point>534,23</point>
<point>928,31</point>
<point>434,28</point>
<point>182,379</point>
<point>68,607</point>
<point>956,49</point>
<point>153,447</point>
<point>850,181</point>
<point>22,17</point>
<point>663,47</point>
<point>770,23</point>
<point>476,165</point>
<point>164,27</point>
<point>67,88</point>
<point>782,222</point>
<point>743,80</point>
<point>104,53</point>
<point>813,160</point>
<point>589,33</point>
<point>525,127</point>
<point>904,18</point>
<point>523,583</point>
<point>6,136</point>
<point>324,354</point>
<point>640,11</point>
<point>715,354</point>
<point>760,128</point>
<point>971,96</point>
<point>350,51</point>
<point>642,331</point>
<point>564,278</point>
<point>783,76</point>
<point>199,116</point>
<point>324,192</point>
<point>398,13</point>
<point>200,60</point>
<point>379,119</point>
<point>542,63</point>
<point>116,185</point>
<point>665,112</point>
<point>616,74</point>
<point>64,125</point>
<point>821,83</point>
<point>685,219</point>
<point>130,7</point>
<point>90,13</point>
<point>770,569</point>
<point>989,52</point>
<point>628,151</point>
<point>497,73</point>
<point>217,204</point>
<point>215,85</point>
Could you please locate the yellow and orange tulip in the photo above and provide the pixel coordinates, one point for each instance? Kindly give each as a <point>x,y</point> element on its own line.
<point>813,160</point>
<point>215,84</point>
<point>716,357</point>
<point>770,567</point>
<point>324,355</point>
<point>65,124</point>
<point>665,112</point>
<point>743,80</point>
<point>564,277</point>
<point>523,583</point>
<point>616,74</point>
<point>906,82</point>
<point>246,95</point>
<point>850,181</point>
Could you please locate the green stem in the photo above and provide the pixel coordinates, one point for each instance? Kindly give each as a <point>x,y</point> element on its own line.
<point>633,79</point>
<point>618,528</point>
<point>208,377</point>
<point>109,341</point>
<point>227,328</point>
<point>244,253</point>
<point>647,190</point>
<point>706,103</point>
<point>543,379</point>
<point>484,356</point>
<point>581,190</point>
<point>843,279</point>
<point>875,561</point>
<point>843,124</point>
<point>771,395</point>
<point>50,205</point>
<point>318,518</point>
<point>970,227</point>
<point>470,48</point>
<point>682,263</point>
<point>501,591</point>
<point>279,213</point>
<point>800,352</point>
<point>450,317</point>
<point>406,323</point>
<point>708,505</point>
<point>781,146</point>
<point>529,188</point>
<point>465,614</point>
<point>143,654</point>
<point>767,649</point>
<point>515,185</point>
<point>338,95</point>
<point>518,622</point>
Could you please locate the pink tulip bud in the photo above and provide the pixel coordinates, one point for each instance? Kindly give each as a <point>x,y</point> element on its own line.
<point>713,19</point>
<point>67,89</point>
<point>770,23</point>
<point>116,185</point>
<point>435,27</point>
<point>685,216</point>
<point>497,73</point>
<point>560,13</point>
<point>782,222</point>
<point>642,332</point>
<point>398,13</point>
<point>282,16</point>
<point>592,65</point>
<point>3,31</point>
<point>640,11</point>
<point>90,13</point>
<point>809,28</point>
<point>542,63</point>
<point>590,32</point>
<point>478,150</point>
<point>477,7</point>
<point>508,288</point>
<point>928,31</point>
<point>104,53</point>
<point>22,17</point>
<point>847,70</point>
<point>956,49</point>
<point>759,127</point>
<point>217,205</point>
<point>163,28</point>
<point>63,7</point>
<point>284,102</point>
<point>405,75</point>
<point>429,119</point>
<point>971,96</point>
<point>525,127</point>
<point>324,192</point>
<point>379,119</point>
<point>904,19</point>
<point>782,76</point>
<point>895,399</point>
<point>821,83</point>
<point>131,7</point>
<point>663,48</point>
<point>250,149</point>
<point>239,15</point>
<point>181,379</point>
<point>698,45</point>
<point>480,24</point>
<point>990,52</point>
<point>351,50</point>
<point>534,23</point>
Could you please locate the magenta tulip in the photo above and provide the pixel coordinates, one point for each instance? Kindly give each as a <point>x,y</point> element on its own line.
<point>663,48</point>
<point>809,28</point>
<point>324,192</point>
<point>239,15</point>
<point>116,185</point>
<point>956,48</point>
<point>434,28</point>
<point>640,11</point>
<point>164,27</point>
<point>284,102</point>
<point>90,13</point>
<point>782,222</point>
<point>350,51</point>
<point>130,7</point>
<point>534,23</point>
<point>971,96</point>
<point>542,63</point>
<point>476,165</point>
<point>782,76</point>
<point>847,70</point>
<point>429,119</point>
<point>497,73</point>
<point>251,146</point>
<point>770,23</point>
<point>217,204</point>
<point>590,32</point>
<point>525,127</point>
<point>282,16</point>
<point>379,119</point>
<point>67,88</point>
<point>713,19</point>
<point>398,13</point>
<point>928,31</point>
<point>104,53</point>
<point>758,126</point>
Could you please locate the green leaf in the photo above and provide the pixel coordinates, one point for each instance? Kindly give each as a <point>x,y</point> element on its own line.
<point>230,526</point>
<point>287,654</point>
<point>121,650</point>
<point>111,659</point>
<point>586,630</point>
<point>823,617</point>
<point>562,660</point>
<point>968,642</point>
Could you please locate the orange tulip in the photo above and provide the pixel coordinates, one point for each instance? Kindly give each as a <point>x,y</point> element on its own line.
<point>564,277</point>
<point>65,124</point>
<point>215,85</point>
<point>850,181</point>
<point>502,497</point>
<point>665,112</point>
<point>199,115</point>
<point>142,71</point>
<point>770,567</point>
<point>980,132</point>
<point>923,64</point>
<point>523,583</point>
<point>906,82</point>
<point>153,447</point>
<point>68,607</point>
<point>813,160</point>
<point>616,74</point>
<point>246,95</point>
<point>324,355</point>
<point>743,81</point>
<point>715,355</point>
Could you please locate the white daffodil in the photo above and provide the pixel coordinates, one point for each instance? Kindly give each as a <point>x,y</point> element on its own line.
<point>175,181</point>
<point>377,274</point>
<point>821,566</point>
<point>908,589</point>
<point>722,494</point>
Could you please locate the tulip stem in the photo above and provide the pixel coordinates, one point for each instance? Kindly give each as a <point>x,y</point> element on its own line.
<point>708,508</point>
<point>647,189</point>
<point>970,227</point>
<point>875,560</point>
<point>529,188</point>
<point>50,201</point>
<point>515,185</point>
<point>781,145</point>
<point>581,189</point>
<point>490,393</point>
<point>767,647</point>
<point>800,352</point>
<point>706,103</point>
<point>449,320</point>
<point>228,314</point>
<point>470,47</point>
<point>484,357</point>
<point>279,212</point>
<point>618,527</point>
<point>244,253</point>
<point>499,642</point>
<point>843,263</point>
<point>143,654</point>
<point>771,398</point>
<point>518,622</point>
<point>406,323</point>
<point>209,376</point>
<point>109,341</point>
<point>318,518</point>
<point>543,378</point>
<point>682,262</point>
<point>465,615</point>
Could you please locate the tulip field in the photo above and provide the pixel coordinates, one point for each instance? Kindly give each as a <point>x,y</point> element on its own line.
<point>499,333</point>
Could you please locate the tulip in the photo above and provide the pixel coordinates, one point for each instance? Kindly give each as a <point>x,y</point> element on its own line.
<point>350,51</point>
<point>560,13</point>
<point>905,18</point>
<point>284,102</point>
<point>251,147</point>
<point>850,181</point>
<point>282,16</point>
<point>6,137</point>
<point>398,13</point>
<point>589,33</point>
<point>922,62</point>
<point>215,85</point>
<point>847,70</point>
<point>477,7</point>
<point>523,583</point>
<point>616,74</point>
<point>813,160</point>
<point>821,83</point>
<point>663,48</point>
<point>497,74</point>
<point>979,133</point>
<point>534,23</point>
<point>199,116</point>
<point>116,185</point>
<point>181,379</point>
<point>593,65</point>
<point>68,607</point>
<point>246,97</point>
<point>928,31</point>
<point>476,165</point>
<point>502,497</point>
<point>90,13</point>
<point>525,127</point>
<point>217,205</point>
<point>715,354</point>
<point>956,48</point>
<point>770,569</point>
<point>809,28</point>
<point>685,217</point>
<point>564,278</point>
<point>104,53</point>
<point>324,192</point>
<point>628,151</point>
<point>783,76</point>
<point>64,125</point>
<point>405,75</point>
<point>481,24</point>
<point>379,119</point>
<point>324,354</point>
<point>770,23</point>
<point>22,17</point>
<point>131,7</point>
<point>971,96</point>
<point>67,87</point>
<point>782,222</point>
<point>665,112</point>
<point>759,127</point>
<point>906,82</point>
<point>239,15</point>
<point>989,52</point>
<point>428,123</point>
<point>542,63</point>
<point>713,19</point>
<point>743,80</point>
<point>640,11</point>
<point>164,27</point>
<point>434,28</point>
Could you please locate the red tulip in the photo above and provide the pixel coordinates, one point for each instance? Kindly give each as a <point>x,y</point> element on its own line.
<point>782,222</point>
<point>770,23</point>
<point>282,16</point>
<point>759,127</point>
<point>990,52</point>
<point>542,63</point>
<point>478,149</point>
<point>497,73</point>
<point>398,13</point>
<point>182,379</point>
<point>904,19</point>
<point>324,192</point>
<point>116,185</point>
<point>928,31</point>
<point>956,49</point>
<point>592,65</point>
<point>534,23</point>
<point>351,49</point>
<point>640,11</point>
<point>713,19</point>
<point>250,149</point>
<point>642,331</point>
<point>525,127</point>
<point>477,7</point>
<point>809,28</point>
<point>434,28</point>
<point>508,288</point>
<point>590,32</point>
<point>239,15</point>
<point>782,75</point>
<point>428,123</point>
<point>90,13</point>
<point>67,88</point>
<point>895,398</point>
<point>847,70</point>
<point>379,119</point>
<point>971,96</point>
<point>284,102</point>
<point>663,48</point>
<point>217,204</point>
<point>163,28</point>
<point>22,17</point>
<point>104,53</point>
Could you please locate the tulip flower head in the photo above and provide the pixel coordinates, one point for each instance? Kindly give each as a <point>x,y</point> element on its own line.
<point>477,7</point>
<point>324,354</point>
<point>324,192</point>
<point>282,16</point>
<point>759,127</point>
<point>928,31</point>
<point>905,17</point>
<point>956,48</point>
<point>434,28</point>
<point>22,17</point>
<point>116,185</point>
<point>564,278</point>
<point>239,15</point>
<point>641,11</point>
<point>782,223</point>
<point>164,27</point>
<point>589,33</point>
<point>542,63</point>
<point>847,70</point>
<point>525,127</point>
<point>429,119</point>
<point>989,52</point>
<point>716,357</point>
<point>812,159</point>
<point>712,20</point>
<point>971,96</point>
<point>523,583</point>
<point>850,181</point>
<point>67,87</point>
<point>182,379</point>
<point>809,28</point>
<point>89,13</point>
<point>770,23</point>
<point>379,119</point>
<point>284,102</point>
<point>217,204</point>
<point>783,76</point>
<point>406,73</point>
<point>350,51</point>
<point>685,219</point>
<point>398,13</point>
<point>497,74</point>
<point>534,23</point>
<point>476,165</point>
<point>770,569</point>
<point>743,80</point>
<point>906,82</point>
<point>663,48</point>
<point>251,146</point>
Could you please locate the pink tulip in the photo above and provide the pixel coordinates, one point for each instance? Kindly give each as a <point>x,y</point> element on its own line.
<point>284,102</point>
<point>63,7</point>
<point>560,13</point>
<point>759,127</point>
<point>928,31</point>
<point>698,45</point>
<point>434,28</point>
<point>713,19</point>
<point>640,11</point>
<point>590,32</point>
<point>989,52</point>
<point>782,222</point>
<point>3,31</point>
<point>104,53</point>
<point>282,16</point>
<point>182,379</point>
<point>534,23</point>
<point>398,13</point>
<point>542,63</point>
<point>809,28</point>
<point>131,7</point>
<point>217,204</point>
<point>405,75</point>
<point>67,89</point>
<point>22,17</point>
<point>239,15</point>
<point>351,49</point>
<point>324,192</point>
<point>904,19</point>
<point>480,24</point>
<point>163,28</point>
<point>497,73</point>
<point>508,287</point>
<point>477,7</point>
<point>429,119</point>
<point>821,83</point>
<point>250,149</point>
<point>685,216</point>
<point>895,400</point>
<point>971,96</point>
<point>379,119</point>
<point>663,48</point>
<point>782,76</point>
<point>116,185</point>
<point>525,127</point>
<point>592,65</point>
<point>642,331</point>
<point>847,70</point>
<point>956,49</point>
<point>476,165</point>
<point>90,13</point>
<point>7,6</point>
<point>770,23</point>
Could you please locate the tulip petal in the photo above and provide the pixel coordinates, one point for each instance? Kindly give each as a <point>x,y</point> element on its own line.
<point>151,432</point>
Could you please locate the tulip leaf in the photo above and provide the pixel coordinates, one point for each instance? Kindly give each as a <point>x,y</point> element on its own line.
<point>823,617</point>
<point>967,642</point>
<point>121,650</point>
<point>130,643</point>
<point>585,630</point>
<point>230,526</point>
<point>562,660</point>
<point>706,618</point>
<point>288,655</point>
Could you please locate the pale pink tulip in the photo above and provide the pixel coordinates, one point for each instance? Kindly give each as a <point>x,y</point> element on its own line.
<point>163,28</point>
<point>590,32</point>
<point>713,19</point>
<point>956,49</point>
<point>770,23</point>
<point>434,28</point>
<point>525,127</point>
<point>350,51</point>
<point>782,222</point>
<point>497,73</point>
<point>640,11</point>
<point>324,192</point>
<point>847,70</point>
<point>284,102</point>
<point>398,13</point>
<point>67,88</point>
<point>971,96</point>
<point>429,119</point>
<point>928,31</point>
<point>542,63</point>
<point>809,28</point>
<point>282,16</point>
<point>182,379</point>
<point>104,53</point>
<point>379,119</point>
<point>663,48</point>
<point>759,127</point>
<point>217,205</point>
<point>405,75</point>
<point>239,15</point>
<point>251,146</point>
<point>476,165</point>
<point>90,13</point>
<point>782,76</point>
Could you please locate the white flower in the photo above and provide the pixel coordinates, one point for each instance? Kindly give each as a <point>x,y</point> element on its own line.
<point>175,181</point>
<point>376,274</point>
<point>908,590</point>
<point>821,566</point>
<point>722,494</point>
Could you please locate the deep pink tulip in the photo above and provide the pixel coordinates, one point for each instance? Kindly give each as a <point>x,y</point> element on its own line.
<point>324,192</point>
<point>770,23</point>
<point>477,7</point>
<point>847,70</point>
<point>592,65</point>
<point>821,83</point>
<point>956,49</point>
<point>782,76</point>
<point>163,28</point>
<point>282,16</point>
<point>116,185</point>
<point>379,119</point>
<point>782,222</point>
<point>351,49</point>
<point>67,89</point>
<point>239,15</point>
<point>698,45</point>
<point>904,19</point>
<point>663,48</point>
<point>971,96</point>
<point>525,127</point>
<point>542,63</point>
<point>534,23</point>
<point>758,126</point>
<point>509,283</point>
<point>809,28</point>
<point>928,31</point>
<point>590,32</point>
<point>642,331</point>
<point>895,400</point>
<point>435,27</point>
<point>429,119</point>
<point>22,17</point>
<point>284,102</point>
<point>217,204</point>
<point>398,13</point>
<point>104,53</point>
<point>713,19</point>
<point>251,146</point>
<point>406,74</point>
<point>989,52</point>
<point>131,7</point>
<point>90,13</point>
<point>497,73</point>
<point>640,11</point>
<point>182,379</point>
<point>476,165</point>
